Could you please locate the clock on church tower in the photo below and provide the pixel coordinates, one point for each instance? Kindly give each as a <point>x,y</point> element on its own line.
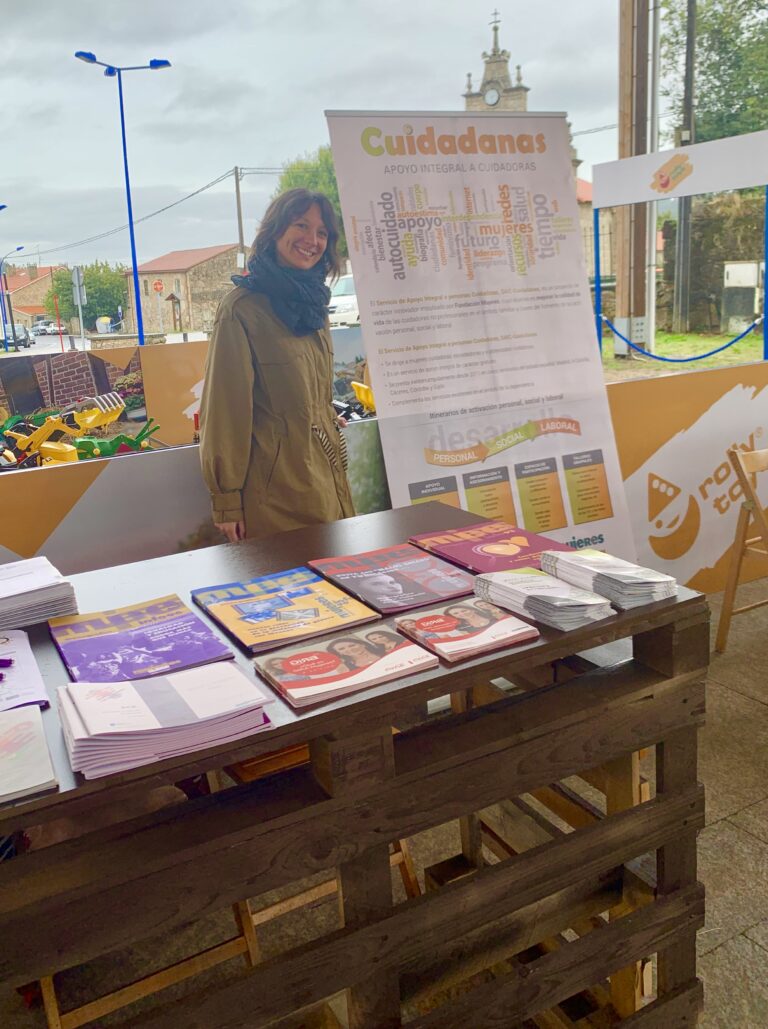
<point>497,91</point>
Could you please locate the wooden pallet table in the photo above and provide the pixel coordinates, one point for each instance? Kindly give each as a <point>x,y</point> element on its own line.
<point>570,764</point>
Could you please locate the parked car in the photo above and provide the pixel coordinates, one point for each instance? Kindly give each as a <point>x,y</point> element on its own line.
<point>38,329</point>
<point>343,308</point>
<point>22,336</point>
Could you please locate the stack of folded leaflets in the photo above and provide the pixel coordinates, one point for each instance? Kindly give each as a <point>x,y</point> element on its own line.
<point>534,594</point>
<point>342,663</point>
<point>623,583</point>
<point>25,763</point>
<point>110,727</point>
<point>467,627</point>
<point>31,591</point>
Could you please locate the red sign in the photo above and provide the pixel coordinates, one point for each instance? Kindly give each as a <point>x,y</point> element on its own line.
<point>158,286</point>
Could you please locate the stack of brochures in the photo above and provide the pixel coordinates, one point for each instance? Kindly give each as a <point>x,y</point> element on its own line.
<point>273,610</point>
<point>534,594</point>
<point>623,583</point>
<point>396,578</point>
<point>20,679</point>
<point>488,546</point>
<point>25,763</point>
<point>467,627</point>
<point>110,727</point>
<point>135,642</point>
<point>342,663</point>
<point>31,591</point>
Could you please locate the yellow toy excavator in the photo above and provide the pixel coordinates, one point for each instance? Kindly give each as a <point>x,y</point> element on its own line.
<point>45,444</point>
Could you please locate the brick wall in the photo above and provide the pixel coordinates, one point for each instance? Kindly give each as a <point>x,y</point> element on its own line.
<point>72,379</point>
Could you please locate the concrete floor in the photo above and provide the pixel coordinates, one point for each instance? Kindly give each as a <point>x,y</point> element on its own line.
<point>733,862</point>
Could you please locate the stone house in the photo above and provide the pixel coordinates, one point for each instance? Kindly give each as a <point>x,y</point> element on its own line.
<point>180,291</point>
<point>27,289</point>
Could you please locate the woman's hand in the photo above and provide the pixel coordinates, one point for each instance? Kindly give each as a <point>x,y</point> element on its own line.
<point>341,421</point>
<point>234,531</point>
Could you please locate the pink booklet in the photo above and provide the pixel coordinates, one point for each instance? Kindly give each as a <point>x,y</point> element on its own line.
<point>488,546</point>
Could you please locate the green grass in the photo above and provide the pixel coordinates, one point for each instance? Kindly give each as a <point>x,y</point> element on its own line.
<point>686,345</point>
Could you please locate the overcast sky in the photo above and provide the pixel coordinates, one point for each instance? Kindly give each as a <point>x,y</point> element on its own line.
<point>249,84</point>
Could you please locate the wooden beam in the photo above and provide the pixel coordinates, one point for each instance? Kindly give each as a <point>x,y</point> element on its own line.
<point>680,1009</point>
<point>560,974</point>
<point>324,967</point>
<point>225,845</point>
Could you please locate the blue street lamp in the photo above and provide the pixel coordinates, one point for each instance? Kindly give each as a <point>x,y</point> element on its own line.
<point>112,71</point>
<point>2,295</point>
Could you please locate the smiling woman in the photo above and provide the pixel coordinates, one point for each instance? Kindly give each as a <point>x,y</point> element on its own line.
<point>272,452</point>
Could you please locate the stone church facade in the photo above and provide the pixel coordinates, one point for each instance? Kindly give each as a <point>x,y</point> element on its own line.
<point>498,93</point>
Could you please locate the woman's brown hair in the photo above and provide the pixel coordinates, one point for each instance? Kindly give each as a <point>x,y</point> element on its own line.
<point>283,212</point>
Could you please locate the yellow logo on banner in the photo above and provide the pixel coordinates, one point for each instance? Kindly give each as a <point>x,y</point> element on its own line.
<point>677,516</point>
<point>671,173</point>
<point>668,511</point>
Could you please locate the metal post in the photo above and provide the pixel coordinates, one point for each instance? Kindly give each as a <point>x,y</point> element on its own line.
<point>240,233</point>
<point>650,288</point>
<point>139,319</point>
<point>2,306</point>
<point>598,283</point>
<point>681,301</point>
<point>765,269</point>
<point>58,320</point>
<point>10,311</point>
<point>80,318</point>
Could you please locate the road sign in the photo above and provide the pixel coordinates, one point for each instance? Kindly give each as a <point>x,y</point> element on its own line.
<point>158,286</point>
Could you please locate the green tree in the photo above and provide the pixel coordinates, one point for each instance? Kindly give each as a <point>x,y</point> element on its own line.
<point>731,69</point>
<point>105,289</point>
<point>315,171</point>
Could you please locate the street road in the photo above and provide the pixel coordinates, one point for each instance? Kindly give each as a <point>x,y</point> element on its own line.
<point>45,345</point>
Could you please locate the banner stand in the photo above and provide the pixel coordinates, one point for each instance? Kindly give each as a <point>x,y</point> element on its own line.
<point>598,279</point>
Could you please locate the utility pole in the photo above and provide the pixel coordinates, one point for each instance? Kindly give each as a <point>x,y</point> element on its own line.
<point>653,146</point>
<point>240,234</point>
<point>11,324</point>
<point>631,221</point>
<point>682,292</point>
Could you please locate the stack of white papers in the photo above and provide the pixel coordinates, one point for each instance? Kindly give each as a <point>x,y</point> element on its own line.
<point>623,583</point>
<point>20,679</point>
<point>542,597</point>
<point>32,591</point>
<point>25,763</point>
<point>109,727</point>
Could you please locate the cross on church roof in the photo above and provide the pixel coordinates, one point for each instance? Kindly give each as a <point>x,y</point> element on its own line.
<point>495,23</point>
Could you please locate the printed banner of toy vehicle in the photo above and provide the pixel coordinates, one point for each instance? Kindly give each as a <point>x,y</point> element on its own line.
<point>158,395</point>
<point>55,437</point>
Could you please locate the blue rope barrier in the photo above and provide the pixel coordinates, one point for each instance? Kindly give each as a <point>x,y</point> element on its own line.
<point>681,360</point>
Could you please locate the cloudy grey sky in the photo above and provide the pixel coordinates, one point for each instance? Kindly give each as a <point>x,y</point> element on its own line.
<point>249,84</point>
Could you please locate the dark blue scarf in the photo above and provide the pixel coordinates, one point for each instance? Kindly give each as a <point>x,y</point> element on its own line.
<point>299,298</point>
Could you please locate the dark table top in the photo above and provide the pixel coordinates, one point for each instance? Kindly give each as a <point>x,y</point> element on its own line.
<point>180,573</point>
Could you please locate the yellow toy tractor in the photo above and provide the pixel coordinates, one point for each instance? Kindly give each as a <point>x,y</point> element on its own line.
<point>45,444</point>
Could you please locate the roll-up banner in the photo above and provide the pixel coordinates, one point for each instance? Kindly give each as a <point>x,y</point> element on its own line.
<point>734,163</point>
<point>464,238</point>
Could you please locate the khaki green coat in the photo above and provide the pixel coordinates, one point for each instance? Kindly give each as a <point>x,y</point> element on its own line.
<point>269,442</point>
